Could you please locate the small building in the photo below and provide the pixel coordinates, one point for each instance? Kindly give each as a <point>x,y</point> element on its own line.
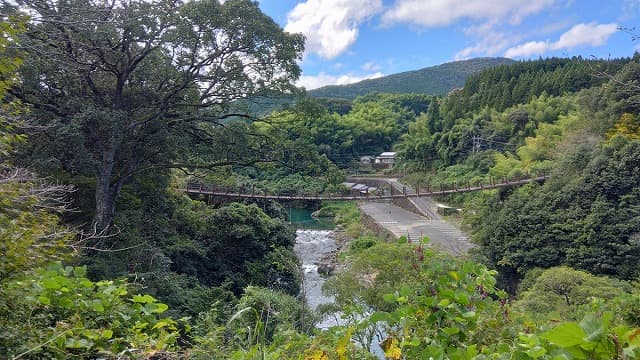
<point>358,189</point>
<point>361,188</point>
<point>367,160</point>
<point>386,159</point>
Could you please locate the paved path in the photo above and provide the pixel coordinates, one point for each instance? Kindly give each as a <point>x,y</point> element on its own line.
<point>401,222</point>
<point>425,205</point>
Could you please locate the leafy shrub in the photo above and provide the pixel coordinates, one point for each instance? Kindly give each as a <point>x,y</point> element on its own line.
<point>562,290</point>
<point>262,324</point>
<point>362,243</point>
<point>59,313</point>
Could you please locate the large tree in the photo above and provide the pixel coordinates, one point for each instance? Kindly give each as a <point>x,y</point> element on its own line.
<point>110,82</point>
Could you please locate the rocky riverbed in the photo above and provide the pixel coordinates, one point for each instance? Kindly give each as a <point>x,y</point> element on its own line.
<point>328,264</point>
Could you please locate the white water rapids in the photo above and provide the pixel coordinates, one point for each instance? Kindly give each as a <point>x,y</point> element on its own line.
<point>311,246</point>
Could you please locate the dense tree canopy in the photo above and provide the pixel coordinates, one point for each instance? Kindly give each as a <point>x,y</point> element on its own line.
<point>590,221</point>
<point>111,82</point>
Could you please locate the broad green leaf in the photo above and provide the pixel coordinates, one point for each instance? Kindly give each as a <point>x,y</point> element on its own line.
<point>97,306</point>
<point>390,298</point>
<point>536,352</point>
<point>593,327</point>
<point>160,308</point>
<point>91,334</point>
<point>565,335</point>
<point>51,284</point>
<point>469,314</point>
<point>451,330</point>
<point>143,299</point>
<point>80,271</point>
<point>160,324</point>
<point>379,316</point>
<point>462,298</point>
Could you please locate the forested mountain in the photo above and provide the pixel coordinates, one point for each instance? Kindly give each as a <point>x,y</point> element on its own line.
<point>503,86</point>
<point>502,106</point>
<point>434,80</point>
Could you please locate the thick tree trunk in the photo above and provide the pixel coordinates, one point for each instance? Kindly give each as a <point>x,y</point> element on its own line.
<point>106,192</point>
<point>106,195</point>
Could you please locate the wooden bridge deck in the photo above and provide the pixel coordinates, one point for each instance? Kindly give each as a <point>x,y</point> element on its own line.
<point>207,189</point>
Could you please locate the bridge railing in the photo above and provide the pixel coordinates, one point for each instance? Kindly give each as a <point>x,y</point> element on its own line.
<point>490,182</point>
<point>402,191</point>
<point>245,191</point>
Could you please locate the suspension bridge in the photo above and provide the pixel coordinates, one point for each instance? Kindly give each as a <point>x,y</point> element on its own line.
<point>198,188</point>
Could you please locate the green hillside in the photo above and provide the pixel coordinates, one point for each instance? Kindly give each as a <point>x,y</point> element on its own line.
<point>434,80</point>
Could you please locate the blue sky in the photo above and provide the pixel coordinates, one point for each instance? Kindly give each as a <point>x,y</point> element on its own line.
<point>352,40</point>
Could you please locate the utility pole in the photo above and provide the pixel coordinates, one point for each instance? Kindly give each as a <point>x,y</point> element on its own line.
<point>476,144</point>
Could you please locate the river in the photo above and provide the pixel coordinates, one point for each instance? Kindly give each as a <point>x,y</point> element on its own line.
<point>313,243</point>
<point>311,246</point>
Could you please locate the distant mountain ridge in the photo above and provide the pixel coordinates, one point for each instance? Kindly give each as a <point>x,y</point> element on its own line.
<point>434,80</point>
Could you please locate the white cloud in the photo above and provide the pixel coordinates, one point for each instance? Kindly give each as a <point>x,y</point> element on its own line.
<point>528,49</point>
<point>591,34</point>
<point>311,82</point>
<point>432,13</point>
<point>330,26</point>
<point>371,66</point>
<point>489,42</point>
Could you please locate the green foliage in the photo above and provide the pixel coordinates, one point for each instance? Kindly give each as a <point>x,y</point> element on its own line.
<point>562,290</point>
<point>627,126</point>
<point>277,270</point>
<point>349,217</point>
<point>435,80</point>
<point>588,221</point>
<point>30,233</point>
<point>451,316</point>
<point>362,243</point>
<point>262,320</point>
<point>347,212</point>
<point>628,306</point>
<point>528,107</point>
<point>127,102</point>
<point>189,254</point>
<point>373,272</point>
<point>59,313</point>
<point>431,306</point>
<point>221,244</point>
<point>185,295</point>
<point>520,82</point>
<point>10,62</point>
<point>275,310</point>
<point>595,337</point>
<point>373,124</point>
